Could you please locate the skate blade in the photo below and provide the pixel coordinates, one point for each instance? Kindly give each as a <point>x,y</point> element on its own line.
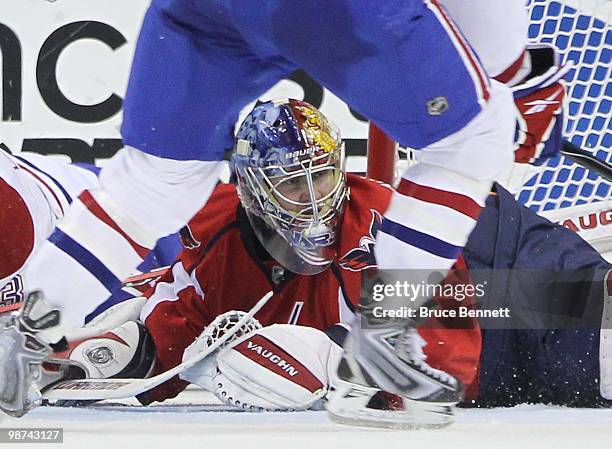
<point>393,420</point>
<point>348,404</point>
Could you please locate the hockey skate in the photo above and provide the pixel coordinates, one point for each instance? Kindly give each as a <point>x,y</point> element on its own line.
<point>390,363</point>
<point>384,358</point>
<point>22,352</point>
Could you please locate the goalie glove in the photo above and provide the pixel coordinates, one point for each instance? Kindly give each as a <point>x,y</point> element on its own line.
<point>279,367</point>
<point>539,99</point>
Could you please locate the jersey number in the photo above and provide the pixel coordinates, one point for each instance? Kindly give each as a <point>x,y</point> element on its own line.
<point>12,293</point>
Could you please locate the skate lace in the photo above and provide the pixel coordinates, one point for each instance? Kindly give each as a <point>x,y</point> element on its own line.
<point>413,344</point>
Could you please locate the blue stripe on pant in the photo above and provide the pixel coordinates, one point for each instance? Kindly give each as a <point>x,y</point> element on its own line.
<point>86,259</point>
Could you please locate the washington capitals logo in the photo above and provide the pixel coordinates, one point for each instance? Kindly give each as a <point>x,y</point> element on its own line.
<point>187,238</point>
<point>358,259</point>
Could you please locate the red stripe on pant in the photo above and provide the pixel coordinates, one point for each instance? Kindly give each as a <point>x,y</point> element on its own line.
<point>511,71</point>
<point>94,207</point>
<point>473,61</point>
<point>461,203</point>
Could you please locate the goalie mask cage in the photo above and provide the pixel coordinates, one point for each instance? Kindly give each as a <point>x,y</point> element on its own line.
<point>581,29</point>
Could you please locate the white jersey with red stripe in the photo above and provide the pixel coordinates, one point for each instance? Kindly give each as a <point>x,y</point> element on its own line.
<point>36,190</point>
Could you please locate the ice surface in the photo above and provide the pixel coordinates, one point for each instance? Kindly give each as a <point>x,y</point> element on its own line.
<point>182,423</point>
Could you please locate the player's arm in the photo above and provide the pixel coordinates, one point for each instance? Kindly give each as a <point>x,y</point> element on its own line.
<point>174,314</point>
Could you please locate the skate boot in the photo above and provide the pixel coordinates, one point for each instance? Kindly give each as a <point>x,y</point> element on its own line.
<point>384,357</point>
<point>22,352</point>
<point>392,362</point>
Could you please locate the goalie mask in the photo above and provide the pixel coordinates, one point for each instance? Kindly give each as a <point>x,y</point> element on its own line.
<point>288,168</point>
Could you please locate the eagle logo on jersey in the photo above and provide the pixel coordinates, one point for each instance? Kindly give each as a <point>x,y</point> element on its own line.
<point>361,258</point>
<point>187,238</point>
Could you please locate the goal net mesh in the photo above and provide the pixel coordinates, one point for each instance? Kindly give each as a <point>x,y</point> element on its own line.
<point>581,29</point>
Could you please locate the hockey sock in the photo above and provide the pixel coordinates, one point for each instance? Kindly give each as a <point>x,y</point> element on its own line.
<point>439,199</point>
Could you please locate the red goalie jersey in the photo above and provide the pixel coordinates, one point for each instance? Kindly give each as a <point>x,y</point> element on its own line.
<point>223,267</point>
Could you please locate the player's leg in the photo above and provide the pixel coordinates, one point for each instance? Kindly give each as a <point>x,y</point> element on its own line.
<point>184,95</point>
<point>497,30</point>
<point>21,200</point>
<point>393,66</point>
<point>185,92</point>
<point>578,368</point>
<point>568,367</point>
<point>35,192</point>
<point>405,66</point>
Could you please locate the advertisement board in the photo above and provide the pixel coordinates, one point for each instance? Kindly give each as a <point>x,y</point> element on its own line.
<point>65,67</point>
